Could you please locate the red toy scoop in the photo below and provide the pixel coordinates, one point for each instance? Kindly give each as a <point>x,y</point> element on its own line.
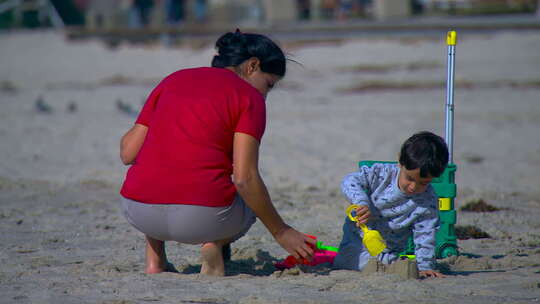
<point>320,256</point>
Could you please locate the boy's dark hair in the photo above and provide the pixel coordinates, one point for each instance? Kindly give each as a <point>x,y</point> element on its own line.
<point>426,151</point>
<point>235,48</point>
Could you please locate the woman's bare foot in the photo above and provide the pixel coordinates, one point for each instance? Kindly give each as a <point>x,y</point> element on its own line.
<point>212,257</point>
<point>156,260</point>
<point>153,269</point>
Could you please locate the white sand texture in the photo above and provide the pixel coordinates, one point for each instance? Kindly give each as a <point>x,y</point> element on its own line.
<point>64,106</point>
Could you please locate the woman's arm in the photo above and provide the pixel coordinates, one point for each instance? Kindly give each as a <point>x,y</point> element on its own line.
<point>252,189</point>
<point>131,143</point>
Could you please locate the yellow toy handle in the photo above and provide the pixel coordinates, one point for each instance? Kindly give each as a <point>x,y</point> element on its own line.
<point>451,38</point>
<point>349,212</point>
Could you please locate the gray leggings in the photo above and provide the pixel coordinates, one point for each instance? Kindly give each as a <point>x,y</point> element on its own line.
<point>189,224</point>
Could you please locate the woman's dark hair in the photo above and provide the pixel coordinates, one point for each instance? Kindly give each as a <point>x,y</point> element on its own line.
<point>426,151</point>
<point>235,48</point>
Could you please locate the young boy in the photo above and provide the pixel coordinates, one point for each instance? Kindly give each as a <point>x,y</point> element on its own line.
<point>398,201</point>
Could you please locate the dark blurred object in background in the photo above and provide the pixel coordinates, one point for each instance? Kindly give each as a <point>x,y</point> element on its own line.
<point>175,11</point>
<point>201,10</point>
<point>304,9</point>
<point>111,15</point>
<point>417,7</point>
<point>28,13</point>
<point>328,9</point>
<point>479,7</point>
<point>141,12</point>
<point>69,11</point>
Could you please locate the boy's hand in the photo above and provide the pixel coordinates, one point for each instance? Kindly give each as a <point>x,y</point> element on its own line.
<point>431,274</point>
<point>362,215</point>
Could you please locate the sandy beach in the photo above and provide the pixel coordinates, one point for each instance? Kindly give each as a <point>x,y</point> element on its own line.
<point>64,106</point>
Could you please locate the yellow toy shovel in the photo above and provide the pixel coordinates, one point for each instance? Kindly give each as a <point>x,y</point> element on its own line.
<point>372,240</point>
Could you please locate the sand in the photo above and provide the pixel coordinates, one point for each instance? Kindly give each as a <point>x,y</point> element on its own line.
<point>64,240</point>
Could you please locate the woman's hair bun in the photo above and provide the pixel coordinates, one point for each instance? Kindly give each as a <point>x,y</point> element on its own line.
<point>231,49</point>
<point>230,40</point>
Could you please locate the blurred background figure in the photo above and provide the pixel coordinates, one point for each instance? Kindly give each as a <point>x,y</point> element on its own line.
<point>304,9</point>
<point>121,14</point>
<point>256,11</point>
<point>175,11</point>
<point>140,13</point>
<point>417,7</point>
<point>201,10</point>
<point>364,7</point>
<point>328,9</point>
<point>345,9</point>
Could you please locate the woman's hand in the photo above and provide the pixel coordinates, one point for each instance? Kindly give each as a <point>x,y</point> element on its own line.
<point>431,274</point>
<point>295,243</point>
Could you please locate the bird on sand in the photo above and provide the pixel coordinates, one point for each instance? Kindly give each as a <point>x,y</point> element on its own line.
<point>72,107</point>
<point>41,106</point>
<point>125,108</point>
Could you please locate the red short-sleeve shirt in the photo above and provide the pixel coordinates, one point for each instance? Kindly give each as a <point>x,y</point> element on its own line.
<point>187,155</point>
